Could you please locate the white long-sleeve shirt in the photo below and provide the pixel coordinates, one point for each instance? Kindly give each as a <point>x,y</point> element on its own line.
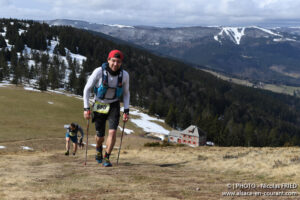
<point>95,80</point>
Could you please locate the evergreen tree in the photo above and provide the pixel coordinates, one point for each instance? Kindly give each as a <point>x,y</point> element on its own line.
<point>72,80</point>
<point>15,68</point>
<point>152,108</point>
<point>171,118</point>
<point>1,74</point>
<point>53,77</point>
<point>19,44</point>
<point>3,66</point>
<point>59,49</point>
<point>2,42</point>
<point>249,133</point>
<point>274,137</point>
<point>17,75</point>
<point>35,37</point>
<point>12,34</point>
<point>62,72</point>
<point>43,83</point>
<point>81,81</point>
<point>184,120</point>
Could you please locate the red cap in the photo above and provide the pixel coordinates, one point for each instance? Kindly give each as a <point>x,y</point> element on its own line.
<point>115,54</point>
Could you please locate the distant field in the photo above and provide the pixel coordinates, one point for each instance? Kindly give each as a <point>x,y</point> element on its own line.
<point>284,89</point>
<point>173,172</point>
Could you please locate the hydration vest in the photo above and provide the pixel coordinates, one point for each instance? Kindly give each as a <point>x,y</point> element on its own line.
<point>101,91</point>
<point>73,132</point>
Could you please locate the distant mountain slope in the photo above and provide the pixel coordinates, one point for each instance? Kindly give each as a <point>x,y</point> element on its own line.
<point>183,95</point>
<point>249,52</point>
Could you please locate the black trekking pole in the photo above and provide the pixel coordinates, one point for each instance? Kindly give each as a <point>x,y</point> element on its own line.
<point>87,140</point>
<point>121,143</point>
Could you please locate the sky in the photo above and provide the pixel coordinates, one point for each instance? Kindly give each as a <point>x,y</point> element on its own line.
<point>162,13</point>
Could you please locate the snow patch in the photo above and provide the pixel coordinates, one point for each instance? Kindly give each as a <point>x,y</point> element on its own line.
<point>31,63</point>
<point>120,26</point>
<point>216,38</point>
<point>209,143</point>
<point>94,145</point>
<point>21,31</point>
<point>157,135</point>
<point>234,33</point>
<point>31,89</point>
<point>50,102</point>
<point>146,122</point>
<point>8,46</point>
<point>283,39</point>
<point>267,31</point>
<point>2,147</point>
<point>26,148</point>
<point>154,43</point>
<point>4,84</point>
<point>78,57</point>
<point>127,131</point>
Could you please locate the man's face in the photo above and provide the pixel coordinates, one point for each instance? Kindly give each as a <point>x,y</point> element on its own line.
<point>72,128</point>
<point>114,63</point>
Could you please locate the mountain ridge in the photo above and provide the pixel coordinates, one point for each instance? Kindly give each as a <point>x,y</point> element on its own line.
<point>249,52</point>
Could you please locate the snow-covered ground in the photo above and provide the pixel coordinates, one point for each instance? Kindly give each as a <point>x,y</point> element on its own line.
<point>147,123</point>
<point>235,33</point>
<point>4,84</point>
<point>31,89</point>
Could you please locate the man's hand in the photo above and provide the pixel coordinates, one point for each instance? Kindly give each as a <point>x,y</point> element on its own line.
<point>125,117</point>
<point>80,144</point>
<point>87,114</point>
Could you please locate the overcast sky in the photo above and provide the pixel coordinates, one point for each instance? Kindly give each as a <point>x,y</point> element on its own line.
<point>165,13</point>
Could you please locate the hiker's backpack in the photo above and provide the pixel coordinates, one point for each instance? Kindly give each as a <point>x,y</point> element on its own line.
<point>101,91</point>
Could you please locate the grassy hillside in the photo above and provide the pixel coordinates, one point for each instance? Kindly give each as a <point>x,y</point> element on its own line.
<point>31,115</point>
<point>34,115</point>
<point>172,172</point>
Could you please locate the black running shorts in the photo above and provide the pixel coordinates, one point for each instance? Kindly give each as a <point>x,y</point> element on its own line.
<point>113,117</point>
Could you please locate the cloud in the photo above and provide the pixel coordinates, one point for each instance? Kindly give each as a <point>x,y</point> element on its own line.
<point>5,2</point>
<point>156,12</point>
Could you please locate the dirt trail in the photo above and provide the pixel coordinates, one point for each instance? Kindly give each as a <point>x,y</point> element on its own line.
<point>143,173</point>
<point>51,175</point>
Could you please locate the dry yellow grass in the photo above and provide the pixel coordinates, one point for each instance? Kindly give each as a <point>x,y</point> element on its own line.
<point>145,172</point>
